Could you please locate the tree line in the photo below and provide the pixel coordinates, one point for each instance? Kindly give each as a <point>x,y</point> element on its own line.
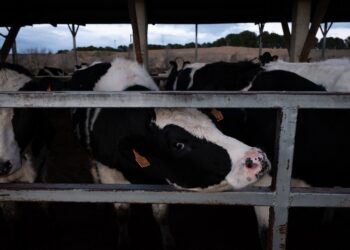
<point>243,39</point>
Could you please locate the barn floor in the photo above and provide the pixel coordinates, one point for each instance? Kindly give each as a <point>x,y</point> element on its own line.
<point>67,226</point>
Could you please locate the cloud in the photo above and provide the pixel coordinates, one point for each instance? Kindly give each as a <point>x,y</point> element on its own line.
<point>56,38</point>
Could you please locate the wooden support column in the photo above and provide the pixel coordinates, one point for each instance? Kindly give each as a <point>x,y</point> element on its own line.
<point>320,11</point>
<point>300,27</point>
<point>196,44</point>
<point>9,40</point>
<point>261,31</point>
<point>138,16</point>
<point>286,35</point>
<point>74,31</point>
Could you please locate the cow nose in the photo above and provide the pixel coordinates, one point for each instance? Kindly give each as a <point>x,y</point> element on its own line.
<point>5,167</point>
<point>256,163</point>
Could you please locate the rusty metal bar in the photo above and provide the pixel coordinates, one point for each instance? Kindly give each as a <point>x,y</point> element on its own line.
<point>279,212</point>
<point>175,99</point>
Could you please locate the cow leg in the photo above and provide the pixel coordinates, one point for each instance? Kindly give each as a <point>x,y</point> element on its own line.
<point>161,215</point>
<point>106,175</point>
<point>262,212</point>
<point>123,218</point>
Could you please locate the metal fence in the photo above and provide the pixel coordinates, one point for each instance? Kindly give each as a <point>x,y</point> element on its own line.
<point>280,197</point>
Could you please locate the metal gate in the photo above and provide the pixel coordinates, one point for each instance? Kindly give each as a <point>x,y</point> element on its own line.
<point>280,197</point>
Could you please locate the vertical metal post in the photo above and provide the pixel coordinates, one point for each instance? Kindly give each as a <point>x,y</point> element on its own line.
<point>324,41</point>
<point>196,44</point>
<point>279,212</point>
<point>261,31</point>
<point>74,32</point>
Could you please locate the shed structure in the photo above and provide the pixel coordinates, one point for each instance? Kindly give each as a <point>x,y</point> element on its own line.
<point>305,16</point>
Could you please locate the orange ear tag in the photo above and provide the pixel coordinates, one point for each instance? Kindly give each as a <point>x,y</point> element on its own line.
<point>217,114</point>
<point>142,161</point>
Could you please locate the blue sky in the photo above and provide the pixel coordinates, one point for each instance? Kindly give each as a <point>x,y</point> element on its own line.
<point>49,38</point>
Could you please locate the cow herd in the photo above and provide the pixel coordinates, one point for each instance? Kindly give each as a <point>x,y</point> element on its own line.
<point>193,149</point>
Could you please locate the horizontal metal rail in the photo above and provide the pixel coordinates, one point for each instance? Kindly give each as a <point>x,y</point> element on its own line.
<point>130,193</point>
<point>176,99</point>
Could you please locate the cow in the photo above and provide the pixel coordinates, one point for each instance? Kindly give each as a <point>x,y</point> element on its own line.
<point>266,57</point>
<point>333,74</point>
<point>179,146</point>
<point>23,144</point>
<point>322,135</point>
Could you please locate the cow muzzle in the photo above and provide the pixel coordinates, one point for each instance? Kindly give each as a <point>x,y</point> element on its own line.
<point>249,169</point>
<point>5,168</point>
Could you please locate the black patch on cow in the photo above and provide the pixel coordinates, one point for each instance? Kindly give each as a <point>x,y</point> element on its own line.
<point>280,80</point>
<point>183,79</point>
<point>225,76</point>
<point>86,79</point>
<point>137,88</point>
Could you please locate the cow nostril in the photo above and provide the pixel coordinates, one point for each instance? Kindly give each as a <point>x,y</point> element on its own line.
<point>249,162</point>
<point>5,167</point>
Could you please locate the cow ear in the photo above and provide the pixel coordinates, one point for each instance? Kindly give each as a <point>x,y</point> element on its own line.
<point>141,160</point>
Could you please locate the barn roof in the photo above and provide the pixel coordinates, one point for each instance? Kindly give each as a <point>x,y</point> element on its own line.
<point>160,11</point>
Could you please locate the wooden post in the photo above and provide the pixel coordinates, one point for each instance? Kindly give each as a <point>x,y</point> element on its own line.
<point>324,41</point>
<point>261,31</point>
<point>286,35</point>
<point>8,43</point>
<point>138,16</point>
<point>300,27</point>
<point>74,30</point>
<point>320,11</point>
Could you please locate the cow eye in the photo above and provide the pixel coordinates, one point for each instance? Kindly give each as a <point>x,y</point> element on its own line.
<point>179,146</point>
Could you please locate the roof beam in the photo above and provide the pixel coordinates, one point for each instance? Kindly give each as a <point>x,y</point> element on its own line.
<point>10,39</point>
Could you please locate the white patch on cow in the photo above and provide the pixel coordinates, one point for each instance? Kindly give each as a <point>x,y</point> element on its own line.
<point>331,74</point>
<point>194,67</point>
<point>124,74</point>
<point>222,186</point>
<point>106,175</point>
<point>200,126</point>
<point>9,149</point>
<point>94,118</point>
<point>11,80</point>
<point>87,132</point>
<point>262,212</point>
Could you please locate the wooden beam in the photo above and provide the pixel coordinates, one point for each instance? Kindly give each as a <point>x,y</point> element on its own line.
<point>135,30</point>
<point>10,38</point>
<point>286,35</point>
<point>300,27</point>
<point>320,11</point>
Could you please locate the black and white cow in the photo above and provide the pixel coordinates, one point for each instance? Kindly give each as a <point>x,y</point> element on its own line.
<point>157,145</point>
<point>23,146</point>
<point>322,135</point>
<point>333,74</point>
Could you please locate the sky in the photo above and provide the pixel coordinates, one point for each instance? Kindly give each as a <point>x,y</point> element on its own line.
<point>48,38</point>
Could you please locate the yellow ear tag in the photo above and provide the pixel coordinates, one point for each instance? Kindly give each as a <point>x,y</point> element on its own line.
<point>142,161</point>
<point>217,114</point>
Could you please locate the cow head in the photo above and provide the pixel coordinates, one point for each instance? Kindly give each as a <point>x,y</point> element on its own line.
<point>175,67</point>
<point>17,126</point>
<point>186,148</point>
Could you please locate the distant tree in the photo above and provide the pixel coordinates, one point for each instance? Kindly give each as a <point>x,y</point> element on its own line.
<point>347,42</point>
<point>333,43</point>
<point>220,42</point>
<point>62,51</point>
